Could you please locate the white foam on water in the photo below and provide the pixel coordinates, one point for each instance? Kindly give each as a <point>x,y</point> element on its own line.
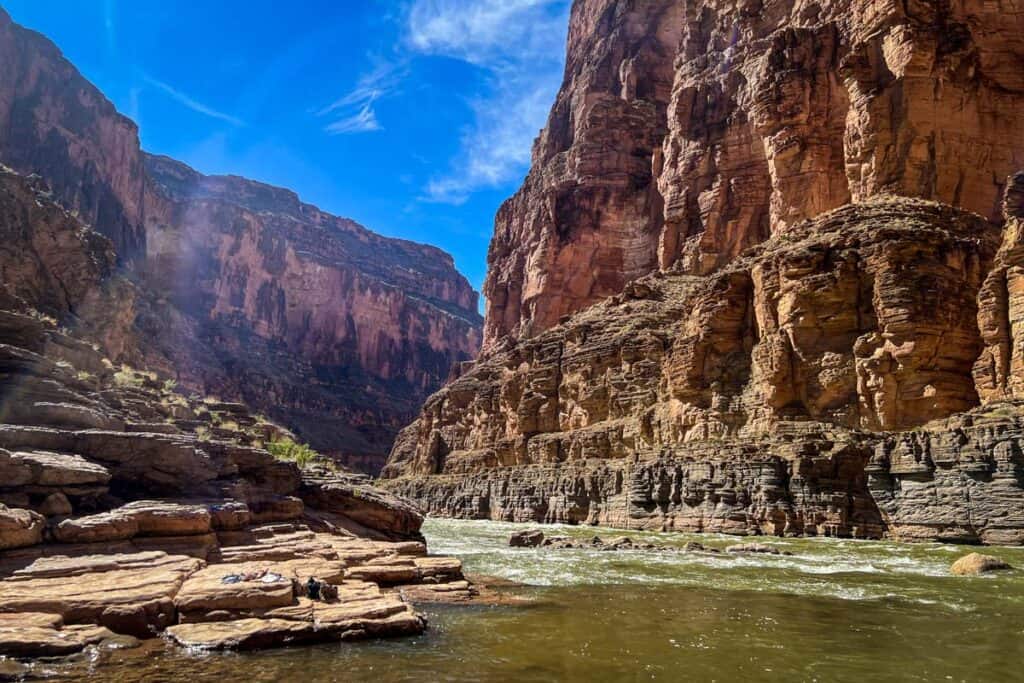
<point>846,569</point>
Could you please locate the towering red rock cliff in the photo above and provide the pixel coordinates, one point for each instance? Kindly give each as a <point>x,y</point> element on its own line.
<point>332,329</point>
<point>54,123</point>
<point>686,132</point>
<point>233,287</point>
<point>760,239</point>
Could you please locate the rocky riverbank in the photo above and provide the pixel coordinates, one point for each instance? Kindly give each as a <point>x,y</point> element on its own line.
<point>129,510</point>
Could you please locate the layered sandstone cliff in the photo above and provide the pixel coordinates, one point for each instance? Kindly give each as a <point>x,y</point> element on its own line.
<point>798,211</point>
<point>685,132</point>
<point>128,509</point>
<point>332,329</point>
<point>233,287</point>
<point>56,124</point>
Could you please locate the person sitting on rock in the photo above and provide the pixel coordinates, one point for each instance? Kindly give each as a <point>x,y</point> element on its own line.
<point>313,588</point>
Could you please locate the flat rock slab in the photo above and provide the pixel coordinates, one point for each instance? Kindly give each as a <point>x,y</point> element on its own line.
<point>49,468</point>
<point>163,518</point>
<point>391,570</point>
<point>371,617</point>
<point>452,591</point>
<point>57,599</point>
<point>242,634</point>
<point>135,599</point>
<point>36,634</point>
<point>242,586</point>
<point>141,518</point>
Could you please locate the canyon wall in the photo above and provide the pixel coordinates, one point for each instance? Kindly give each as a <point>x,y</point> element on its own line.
<point>687,131</point>
<point>54,123</point>
<point>336,331</point>
<point>762,277</point>
<point>230,286</point>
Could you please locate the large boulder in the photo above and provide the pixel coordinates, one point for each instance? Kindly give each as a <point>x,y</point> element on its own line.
<point>976,563</point>
<point>530,538</point>
<point>139,518</point>
<point>373,510</point>
<point>20,528</point>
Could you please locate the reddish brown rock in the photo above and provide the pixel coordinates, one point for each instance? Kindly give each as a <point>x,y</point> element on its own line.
<point>234,288</point>
<point>687,132</point>
<point>825,323</point>
<point>20,528</point>
<point>999,371</point>
<point>262,279</point>
<point>759,242</point>
<point>72,136</point>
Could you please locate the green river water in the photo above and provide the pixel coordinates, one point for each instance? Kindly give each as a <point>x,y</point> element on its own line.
<point>836,610</point>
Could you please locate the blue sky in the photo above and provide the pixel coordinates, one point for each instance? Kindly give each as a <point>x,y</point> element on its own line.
<point>413,117</point>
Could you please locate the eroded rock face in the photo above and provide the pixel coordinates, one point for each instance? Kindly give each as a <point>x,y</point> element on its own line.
<point>742,489</point>
<point>234,288</point>
<point>999,371</point>
<point>55,124</point>
<point>961,480</point>
<point>825,340</point>
<point>864,318</point>
<point>330,328</point>
<point>175,522</point>
<point>759,242</point>
<point>686,132</point>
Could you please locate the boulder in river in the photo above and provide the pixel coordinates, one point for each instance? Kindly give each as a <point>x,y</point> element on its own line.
<point>976,563</point>
<point>530,538</point>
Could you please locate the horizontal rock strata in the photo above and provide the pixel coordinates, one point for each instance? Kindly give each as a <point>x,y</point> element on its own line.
<point>232,287</point>
<point>128,510</point>
<point>701,403</point>
<point>763,277</point>
<point>687,132</point>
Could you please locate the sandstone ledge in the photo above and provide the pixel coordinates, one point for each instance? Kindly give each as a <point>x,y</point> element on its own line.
<point>65,598</point>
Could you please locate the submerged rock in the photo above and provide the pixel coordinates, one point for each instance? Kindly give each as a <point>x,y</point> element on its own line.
<point>757,548</point>
<point>976,563</point>
<point>527,539</point>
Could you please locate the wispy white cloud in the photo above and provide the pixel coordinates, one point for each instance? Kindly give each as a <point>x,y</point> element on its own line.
<point>496,148</point>
<point>486,32</point>
<point>363,121</point>
<point>355,111</point>
<point>520,45</point>
<point>191,102</point>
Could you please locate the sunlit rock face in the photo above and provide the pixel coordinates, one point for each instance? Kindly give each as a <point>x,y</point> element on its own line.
<point>338,331</point>
<point>54,123</point>
<point>233,287</point>
<point>753,232</point>
<point>686,132</point>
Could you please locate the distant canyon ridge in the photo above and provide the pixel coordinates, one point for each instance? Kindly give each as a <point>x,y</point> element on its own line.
<point>231,287</point>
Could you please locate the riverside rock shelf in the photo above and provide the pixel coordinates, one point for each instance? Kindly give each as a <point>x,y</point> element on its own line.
<point>129,511</point>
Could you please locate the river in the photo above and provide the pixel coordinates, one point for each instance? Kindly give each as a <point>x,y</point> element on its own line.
<point>836,610</point>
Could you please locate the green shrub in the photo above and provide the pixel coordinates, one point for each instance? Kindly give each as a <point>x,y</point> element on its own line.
<point>126,377</point>
<point>286,449</point>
